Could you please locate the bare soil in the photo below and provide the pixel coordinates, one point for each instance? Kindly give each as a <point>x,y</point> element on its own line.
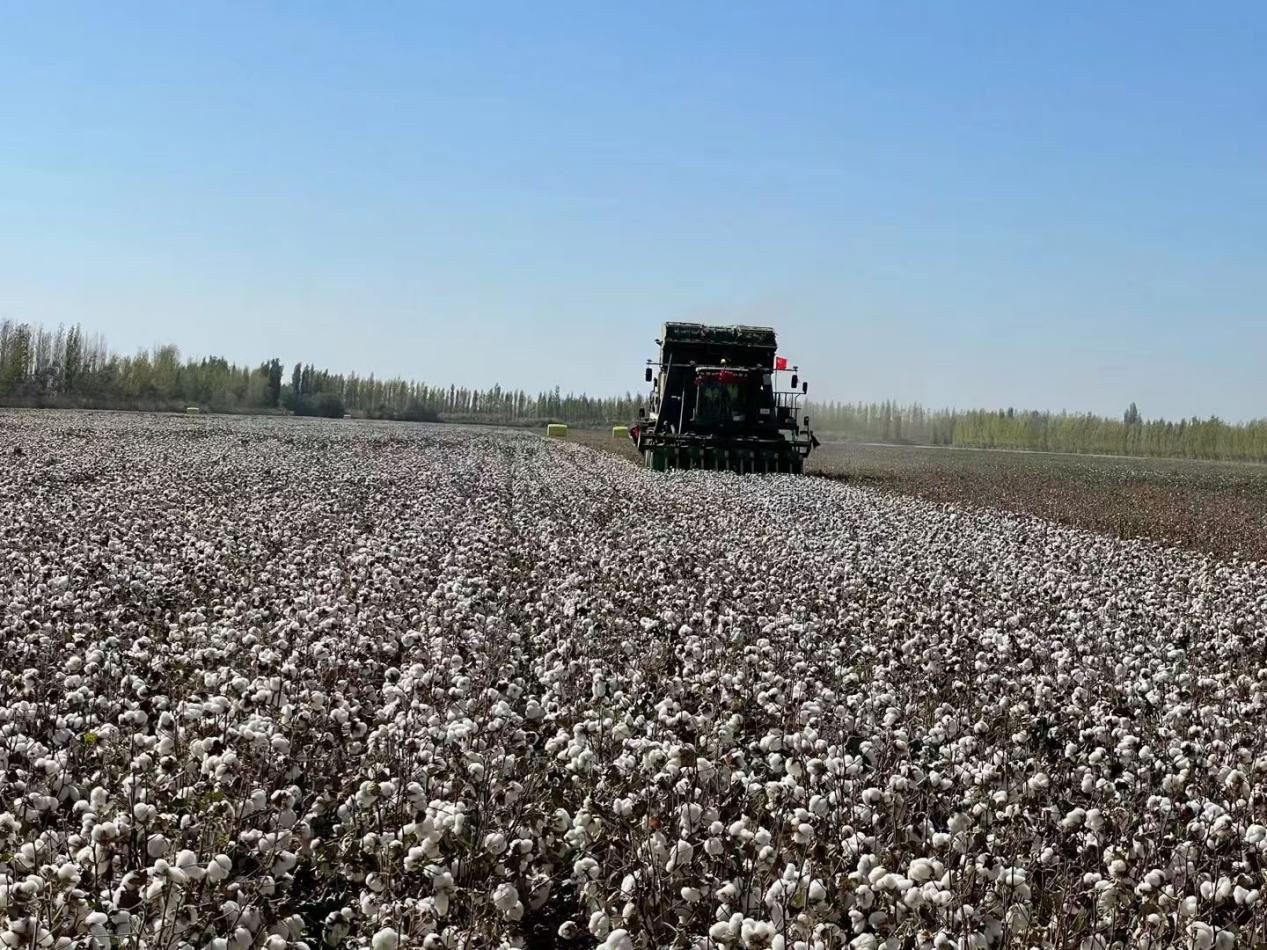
<point>1216,507</point>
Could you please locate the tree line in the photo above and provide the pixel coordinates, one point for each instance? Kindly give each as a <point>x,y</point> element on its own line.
<point>67,367</point>
<point>1032,430</point>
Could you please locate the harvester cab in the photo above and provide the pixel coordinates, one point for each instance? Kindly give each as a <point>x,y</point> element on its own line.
<point>715,403</point>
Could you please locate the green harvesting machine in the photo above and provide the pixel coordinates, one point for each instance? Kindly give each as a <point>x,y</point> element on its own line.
<point>715,403</point>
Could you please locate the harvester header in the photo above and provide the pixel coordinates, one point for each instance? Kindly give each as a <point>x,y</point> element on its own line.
<point>715,403</point>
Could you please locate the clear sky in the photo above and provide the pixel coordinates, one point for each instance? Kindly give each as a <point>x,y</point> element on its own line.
<point>1040,205</point>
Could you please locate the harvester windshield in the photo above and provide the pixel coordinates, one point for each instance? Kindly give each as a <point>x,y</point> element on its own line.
<point>724,398</point>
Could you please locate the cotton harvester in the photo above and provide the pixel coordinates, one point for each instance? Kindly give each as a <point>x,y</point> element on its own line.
<point>714,403</point>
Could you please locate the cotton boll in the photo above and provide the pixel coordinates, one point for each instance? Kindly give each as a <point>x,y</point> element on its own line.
<point>1201,935</point>
<point>599,925</point>
<point>920,870</point>
<point>720,932</point>
<point>618,940</point>
<point>495,843</point>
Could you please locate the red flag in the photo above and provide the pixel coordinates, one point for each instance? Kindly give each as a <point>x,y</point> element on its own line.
<point>780,362</point>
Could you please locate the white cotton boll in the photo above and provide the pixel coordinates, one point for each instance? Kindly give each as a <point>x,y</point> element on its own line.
<point>599,925</point>
<point>1038,782</point>
<point>618,940</point>
<point>218,868</point>
<point>495,843</point>
<point>1256,834</point>
<point>920,870</point>
<point>386,939</point>
<point>505,897</point>
<point>720,931</point>
<point>756,933</point>
<point>1201,935</point>
<point>1095,819</point>
<point>692,895</point>
<point>680,856</point>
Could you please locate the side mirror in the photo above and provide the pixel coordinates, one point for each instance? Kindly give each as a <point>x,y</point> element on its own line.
<point>642,412</point>
<point>793,380</point>
<point>805,388</point>
<point>648,374</point>
<point>807,422</point>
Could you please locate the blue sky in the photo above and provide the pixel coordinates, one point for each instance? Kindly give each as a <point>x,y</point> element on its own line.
<point>1046,205</point>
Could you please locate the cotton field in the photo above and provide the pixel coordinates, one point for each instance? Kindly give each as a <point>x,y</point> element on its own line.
<point>284,683</point>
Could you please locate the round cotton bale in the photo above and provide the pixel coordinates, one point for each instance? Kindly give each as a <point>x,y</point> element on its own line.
<point>556,430</point>
<point>620,432</point>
